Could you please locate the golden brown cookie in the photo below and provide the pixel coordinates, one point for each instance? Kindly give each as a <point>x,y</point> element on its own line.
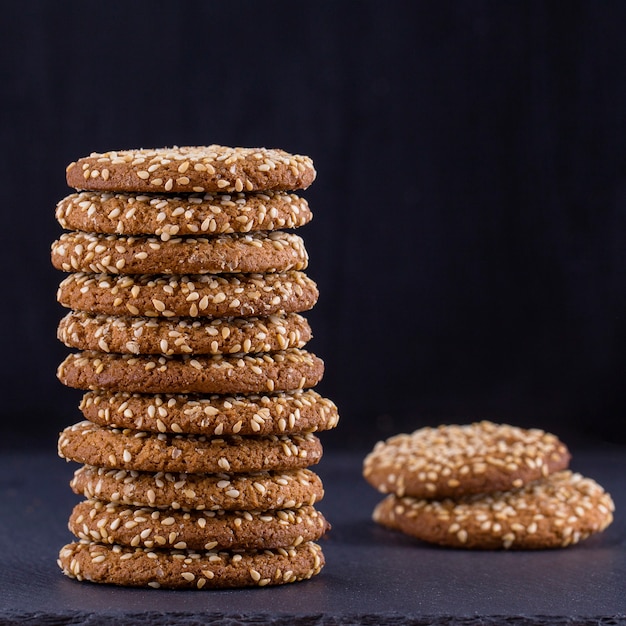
<point>274,251</point>
<point>178,569</point>
<point>552,512</point>
<point>452,460</point>
<point>195,295</point>
<point>281,413</point>
<point>259,491</point>
<point>168,216</point>
<point>107,522</point>
<point>189,169</point>
<point>175,335</point>
<point>220,374</point>
<point>86,442</point>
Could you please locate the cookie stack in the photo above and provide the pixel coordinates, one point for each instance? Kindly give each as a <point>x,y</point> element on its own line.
<point>485,485</point>
<point>185,295</point>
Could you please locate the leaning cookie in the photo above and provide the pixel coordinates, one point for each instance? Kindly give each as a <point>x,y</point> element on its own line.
<point>189,169</point>
<point>287,370</point>
<point>194,295</point>
<point>258,491</point>
<point>174,335</point>
<point>177,569</point>
<point>260,252</point>
<point>452,460</point>
<point>297,411</point>
<point>168,216</point>
<point>552,512</point>
<point>107,522</point>
<point>113,448</point>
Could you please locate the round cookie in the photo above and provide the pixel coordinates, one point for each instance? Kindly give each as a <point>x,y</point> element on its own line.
<point>282,413</point>
<point>107,522</point>
<point>189,169</point>
<point>452,460</point>
<point>274,251</point>
<point>195,295</point>
<point>259,491</point>
<point>177,569</point>
<point>113,448</point>
<point>157,335</point>
<point>220,374</point>
<point>195,214</point>
<point>552,512</point>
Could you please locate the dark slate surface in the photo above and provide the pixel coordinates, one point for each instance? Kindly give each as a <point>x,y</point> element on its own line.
<point>372,576</point>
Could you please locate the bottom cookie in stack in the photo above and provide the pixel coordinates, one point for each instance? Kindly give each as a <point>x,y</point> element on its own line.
<point>189,569</point>
<point>485,486</point>
<point>190,525</point>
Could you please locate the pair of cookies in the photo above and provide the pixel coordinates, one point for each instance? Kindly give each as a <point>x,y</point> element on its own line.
<point>486,486</point>
<point>186,299</point>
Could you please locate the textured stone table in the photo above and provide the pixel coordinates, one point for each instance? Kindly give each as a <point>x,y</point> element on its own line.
<point>372,576</point>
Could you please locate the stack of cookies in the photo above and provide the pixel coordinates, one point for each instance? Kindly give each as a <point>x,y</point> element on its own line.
<point>185,295</point>
<point>485,485</point>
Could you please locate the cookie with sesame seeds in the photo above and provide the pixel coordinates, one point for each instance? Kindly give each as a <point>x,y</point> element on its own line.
<point>194,295</point>
<point>113,448</point>
<point>552,512</point>
<point>188,169</point>
<point>297,411</point>
<point>190,214</point>
<point>111,523</point>
<point>174,335</point>
<point>187,569</point>
<point>260,252</point>
<point>455,460</point>
<point>257,491</point>
<point>286,370</point>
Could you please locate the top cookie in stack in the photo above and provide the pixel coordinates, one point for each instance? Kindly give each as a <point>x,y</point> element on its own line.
<point>192,169</point>
<point>185,297</point>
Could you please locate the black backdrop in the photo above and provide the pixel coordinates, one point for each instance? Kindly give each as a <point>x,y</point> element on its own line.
<point>469,237</point>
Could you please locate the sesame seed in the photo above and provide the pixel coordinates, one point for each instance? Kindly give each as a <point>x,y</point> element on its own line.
<point>255,575</point>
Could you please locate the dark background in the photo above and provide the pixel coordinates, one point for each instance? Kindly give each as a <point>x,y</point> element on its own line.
<point>469,237</point>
